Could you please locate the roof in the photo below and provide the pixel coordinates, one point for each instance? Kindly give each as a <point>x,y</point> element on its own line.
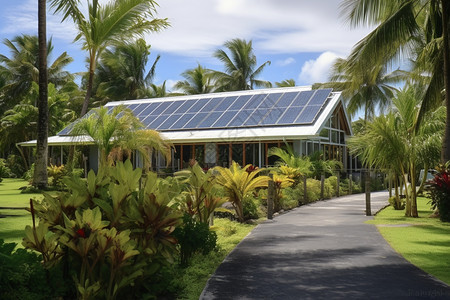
<point>265,114</point>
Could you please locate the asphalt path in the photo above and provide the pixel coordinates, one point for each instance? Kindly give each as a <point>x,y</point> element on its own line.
<point>323,250</point>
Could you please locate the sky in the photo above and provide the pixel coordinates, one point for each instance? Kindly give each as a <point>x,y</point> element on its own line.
<point>301,38</point>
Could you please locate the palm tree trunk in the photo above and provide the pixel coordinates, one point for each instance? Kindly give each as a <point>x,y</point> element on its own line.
<point>446,28</point>
<point>87,98</point>
<point>413,195</point>
<point>40,172</point>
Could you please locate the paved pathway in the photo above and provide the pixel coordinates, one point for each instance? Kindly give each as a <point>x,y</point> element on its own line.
<point>321,251</point>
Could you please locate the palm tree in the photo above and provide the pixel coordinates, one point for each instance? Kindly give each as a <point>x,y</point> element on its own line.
<point>121,71</point>
<point>119,130</point>
<point>197,81</point>
<point>399,25</point>
<point>21,69</point>
<point>286,83</point>
<point>241,68</point>
<point>40,176</point>
<point>364,87</point>
<point>105,24</point>
<point>238,183</point>
<point>390,142</point>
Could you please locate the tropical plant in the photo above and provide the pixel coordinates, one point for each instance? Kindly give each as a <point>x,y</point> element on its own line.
<point>201,192</point>
<point>241,68</point>
<point>280,183</point>
<point>119,129</point>
<point>422,26</point>
<point>99,226</point>
<point>197,81</point>
<point>439,188</point>
<point>363,86</point>
<point>238,183</point>
<point>291,164</point>
<point>320,166</point>
<point>21,69</point>
<point>393,143</point>
<point>104,24</point>
<point>121,73</point>
<point>286,83</point>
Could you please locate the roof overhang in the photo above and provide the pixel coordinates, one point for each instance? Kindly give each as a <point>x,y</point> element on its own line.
<point>62,141</point>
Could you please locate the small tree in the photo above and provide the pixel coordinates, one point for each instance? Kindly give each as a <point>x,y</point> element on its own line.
<point>239,182</point>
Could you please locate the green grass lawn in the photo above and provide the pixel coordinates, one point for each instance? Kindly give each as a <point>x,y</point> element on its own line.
<point>423,241</point>
<point>13,225</point>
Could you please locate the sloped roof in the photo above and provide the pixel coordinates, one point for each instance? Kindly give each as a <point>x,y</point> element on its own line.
<point>265,114</point>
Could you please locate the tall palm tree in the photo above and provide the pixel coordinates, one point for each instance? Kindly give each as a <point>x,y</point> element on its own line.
<point>197,81</point>
<point>40,176</point>
<point>399,24</point>
<point>367,87</point>
<point>105,24</point>
<point>121,71</point>
<point>241,68</point>
<point>21,69</point>
<point>390,142</point>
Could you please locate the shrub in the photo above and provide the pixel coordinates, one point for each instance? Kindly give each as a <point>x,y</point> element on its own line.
<point>56,173</point>
<point>312,189</point>
<point>439,188</point>
<point>250,207</point>
<point>194,236</point>
<point>100,225</point>
<point>295,193</point>
<point>28,175</point>
<point>397,204</point>
<point>22,275</point>
<point>16,165</point>
<point>5,172</point>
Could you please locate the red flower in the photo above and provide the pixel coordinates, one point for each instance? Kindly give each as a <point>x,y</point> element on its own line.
<point>81,233</point>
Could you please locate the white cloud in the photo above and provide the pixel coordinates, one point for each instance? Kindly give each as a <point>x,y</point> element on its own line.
<point>290,26</point>
<point>285,62</point>
<point>314,71</point>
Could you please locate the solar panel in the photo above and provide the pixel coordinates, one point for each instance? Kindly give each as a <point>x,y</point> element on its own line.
<point>240,102</point>
<point>256,117</point>
<point>308,114</point>
<point>182,121</point>
<point>272,117</point>
<point>162,107</point>
<point>197,106</point>
<point>211,104</point>
<point>233,111</point>
<point>320,96</point>
<point>185,106</point>
<point>286,99</point>
<point>290,115</point>
<point>270,100</point>
<point>169,121</point>
<point>210,120</point>
<point>240,118</point>
<point>225,104</point>
<point>255,101</point>
<point>302,98</point>
<point>224,119</point>
<point>193,123</point>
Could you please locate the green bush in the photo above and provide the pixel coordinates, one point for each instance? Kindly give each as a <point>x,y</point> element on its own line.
<point>5,172</point>
<point>312,189</point>
<point>22,275</point>
<point>288,202</point>
<point>113,235</point>
<point>193,237</point>
<point>397,205</point>
<point>329,190</point>
<point>295,193</point>
<point>16,165</point>
<point>250,207</point>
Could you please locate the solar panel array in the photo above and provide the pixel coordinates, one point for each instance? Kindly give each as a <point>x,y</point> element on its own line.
<point>238,111</point>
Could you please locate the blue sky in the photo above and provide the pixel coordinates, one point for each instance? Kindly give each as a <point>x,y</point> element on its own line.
<point>301,38</point>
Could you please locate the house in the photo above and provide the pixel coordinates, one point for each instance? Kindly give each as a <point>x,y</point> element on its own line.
<point>218,128</point>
